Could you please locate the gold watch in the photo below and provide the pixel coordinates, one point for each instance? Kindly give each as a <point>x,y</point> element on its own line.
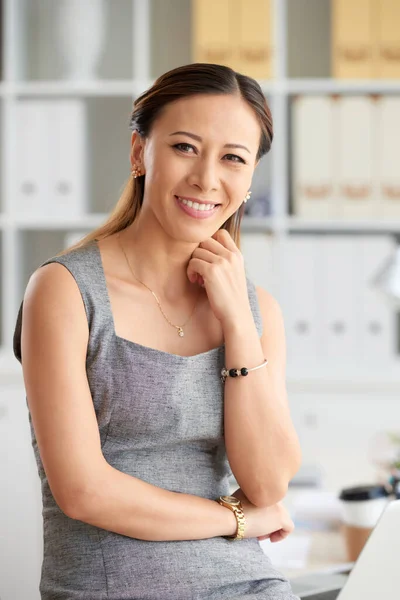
<point>236,507</point>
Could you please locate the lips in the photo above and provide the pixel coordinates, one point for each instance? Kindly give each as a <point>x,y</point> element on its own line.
<point>197,204</point>
<point>198,210</point>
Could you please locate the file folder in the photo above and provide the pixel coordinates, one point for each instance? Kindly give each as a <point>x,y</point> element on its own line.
<point>313,157</point>
<point>353,49</point>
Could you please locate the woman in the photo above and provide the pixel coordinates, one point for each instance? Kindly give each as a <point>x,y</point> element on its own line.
<point>123,340</point>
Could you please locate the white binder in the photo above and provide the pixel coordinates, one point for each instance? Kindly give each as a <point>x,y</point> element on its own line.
<point>377,318</point>
<point>388,161</point>
<point>357,197</point>
<point>32,156</point>
<point>313,160</point>
<point>338,300</point>
<point>68,172</point>
<point>299,300</point>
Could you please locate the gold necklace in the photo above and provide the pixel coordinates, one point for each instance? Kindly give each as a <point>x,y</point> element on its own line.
<point>178,327</point>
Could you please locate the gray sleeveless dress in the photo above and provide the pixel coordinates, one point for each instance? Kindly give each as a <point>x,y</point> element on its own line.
<point>160,418</point>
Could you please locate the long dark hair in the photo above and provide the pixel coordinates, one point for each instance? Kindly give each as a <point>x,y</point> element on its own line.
<point>188,80</point>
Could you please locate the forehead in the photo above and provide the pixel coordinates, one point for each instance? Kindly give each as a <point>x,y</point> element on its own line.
<point>225,118</point>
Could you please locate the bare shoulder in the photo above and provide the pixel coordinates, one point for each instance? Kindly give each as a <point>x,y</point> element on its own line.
<point>46,275</point>
<point>54,323</point>
<point>53,293</point>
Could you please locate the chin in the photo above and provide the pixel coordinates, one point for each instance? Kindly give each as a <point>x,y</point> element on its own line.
<point>197,234</point>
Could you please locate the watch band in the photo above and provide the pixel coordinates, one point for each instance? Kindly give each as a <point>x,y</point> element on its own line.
<point>236,507</point>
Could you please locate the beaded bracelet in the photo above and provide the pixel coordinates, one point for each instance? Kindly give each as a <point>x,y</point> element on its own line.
<point>236,372</point>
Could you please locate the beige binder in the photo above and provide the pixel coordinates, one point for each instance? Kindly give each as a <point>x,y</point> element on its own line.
<point>313,157</point>
<point>353,49</point>
<point>253,23</point>
<point>387,167</point>
<point>387,32</point>
<point>213,35</point>
<point>355,155</point>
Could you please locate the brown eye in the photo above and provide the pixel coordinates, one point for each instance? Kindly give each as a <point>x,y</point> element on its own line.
<point>240,159</point>
<point>179,146</point>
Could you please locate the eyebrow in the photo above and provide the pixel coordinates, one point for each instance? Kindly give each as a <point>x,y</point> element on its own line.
<point>199,139</point>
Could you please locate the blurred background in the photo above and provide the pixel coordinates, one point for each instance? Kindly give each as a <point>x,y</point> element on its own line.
<point>321,230</point>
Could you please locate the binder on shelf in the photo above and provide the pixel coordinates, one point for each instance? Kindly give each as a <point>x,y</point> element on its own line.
<point>32,129</point>
<point>353,48</point>
<point>212,27</point>
<point>387,155</point>
<point>377,319</point>
<point>68,173</point>
<point>50,150</point>
<point>299,299</point>
<point>387,38</point>
<point>338,298</point>
<point>313,157</point>
<point>356,183</point>
<point>253,24</point>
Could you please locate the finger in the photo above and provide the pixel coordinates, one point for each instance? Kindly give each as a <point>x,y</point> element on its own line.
<point>196,267</point>
<point>224,237</point>
<point>196,278</point>
<point>216,247</point>
<point>278,536</point>
<point>206,255</point>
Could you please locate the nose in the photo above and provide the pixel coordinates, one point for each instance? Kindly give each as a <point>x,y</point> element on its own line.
<point>204,175</point>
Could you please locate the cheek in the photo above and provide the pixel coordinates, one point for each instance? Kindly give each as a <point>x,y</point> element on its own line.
<point>166,169</point>
<point>237,187</point>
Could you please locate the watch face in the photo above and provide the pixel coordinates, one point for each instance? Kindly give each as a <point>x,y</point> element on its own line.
<point>230,499</point>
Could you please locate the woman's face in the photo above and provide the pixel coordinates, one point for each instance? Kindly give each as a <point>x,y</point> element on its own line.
<point>201,149</point>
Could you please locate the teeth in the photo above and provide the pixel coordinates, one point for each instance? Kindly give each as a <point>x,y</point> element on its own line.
<point>196,205</point>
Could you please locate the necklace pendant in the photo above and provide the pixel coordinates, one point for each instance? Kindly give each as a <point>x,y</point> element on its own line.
<point>180,332</point>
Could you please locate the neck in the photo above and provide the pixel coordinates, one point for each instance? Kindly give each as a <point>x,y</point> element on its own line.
<point>159,262</point>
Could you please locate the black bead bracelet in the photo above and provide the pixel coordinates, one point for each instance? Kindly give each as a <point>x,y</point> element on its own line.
<point>237,372</point>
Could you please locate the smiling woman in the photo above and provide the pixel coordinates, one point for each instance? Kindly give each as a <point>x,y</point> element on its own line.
<point>192,164</point>
<point>123,338</point>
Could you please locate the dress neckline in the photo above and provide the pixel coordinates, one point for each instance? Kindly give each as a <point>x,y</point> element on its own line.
<point>131,343</point>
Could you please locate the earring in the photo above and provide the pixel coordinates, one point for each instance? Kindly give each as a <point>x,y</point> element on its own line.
<point>247,196</point>
<point>136,172</point>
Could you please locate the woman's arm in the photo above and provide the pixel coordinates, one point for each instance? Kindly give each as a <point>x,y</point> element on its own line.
<point>54,343</point>
<point>132,507</point>
<point>261,442</point>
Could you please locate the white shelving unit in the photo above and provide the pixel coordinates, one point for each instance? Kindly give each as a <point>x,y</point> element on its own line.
<point>133,53</point>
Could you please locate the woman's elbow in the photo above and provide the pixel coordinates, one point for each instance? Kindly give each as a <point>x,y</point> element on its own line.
<point>270,496</point>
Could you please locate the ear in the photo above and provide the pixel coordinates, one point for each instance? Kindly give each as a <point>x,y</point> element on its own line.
<point>137,149</point>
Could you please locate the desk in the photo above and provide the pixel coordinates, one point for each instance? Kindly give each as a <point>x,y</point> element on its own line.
<point>327,551</point>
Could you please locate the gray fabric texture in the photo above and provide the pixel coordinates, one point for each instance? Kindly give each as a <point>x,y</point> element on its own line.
<point>160,418</point>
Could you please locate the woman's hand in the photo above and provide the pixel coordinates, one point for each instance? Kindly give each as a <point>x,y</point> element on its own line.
<point>272,522</point>
<point>218,265</point>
